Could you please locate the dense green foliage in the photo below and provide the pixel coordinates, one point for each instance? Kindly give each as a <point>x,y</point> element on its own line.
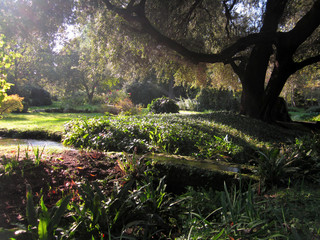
<point>143,92</point>
<point>6,60</point>
<point>164,133</point>
<point>163,105</point>
<point>205,135</point>
<point>217,99</point>
<point>11,103</point>
<point>140,205</point>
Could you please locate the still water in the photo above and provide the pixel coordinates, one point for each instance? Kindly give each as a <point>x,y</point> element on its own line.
<point>30,142</point>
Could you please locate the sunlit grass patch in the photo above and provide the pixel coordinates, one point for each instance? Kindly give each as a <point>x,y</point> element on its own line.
<point>53,122</point>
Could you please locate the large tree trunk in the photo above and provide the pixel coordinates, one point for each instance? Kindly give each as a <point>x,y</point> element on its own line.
<point>253,81</point>
<point>265,103</point>
<point>253,90</point>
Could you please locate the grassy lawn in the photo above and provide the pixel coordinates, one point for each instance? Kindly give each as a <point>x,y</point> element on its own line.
<point>53,122</point>
<point>47,122</point>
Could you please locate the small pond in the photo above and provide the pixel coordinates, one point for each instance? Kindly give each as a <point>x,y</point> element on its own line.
<point>31,142</point>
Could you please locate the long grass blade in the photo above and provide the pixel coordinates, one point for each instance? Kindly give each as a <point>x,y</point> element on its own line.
<point>30,210</point>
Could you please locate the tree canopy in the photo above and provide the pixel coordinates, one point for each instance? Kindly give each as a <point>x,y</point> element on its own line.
<point>259,43</point>
<point>248,35</point>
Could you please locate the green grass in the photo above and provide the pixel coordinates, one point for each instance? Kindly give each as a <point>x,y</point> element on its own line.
<point>61,105</point>
<point>300,114</point>
<point>52,122</point>
<point>55,104</point>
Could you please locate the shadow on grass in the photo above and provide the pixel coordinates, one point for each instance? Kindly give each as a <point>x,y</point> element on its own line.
<point>254,128</point>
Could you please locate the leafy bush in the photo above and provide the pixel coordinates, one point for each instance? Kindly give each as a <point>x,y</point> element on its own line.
<point>163,105</point>
<point>314,109</point>
<point>115,96</point>
<point>109,109</point>
<point>73,100</point>
<point>126,107</point>
<point>98,99</point>
<point>40,97</point>
<point>229,214</point>
<point>217,99</point>
<point>299,161</point>
<point>172,134</point>
<point>274,167</point>
<point>11,103</point>
<point>143,92</point>
<point>305,157</point>
<point>138,207</point>
<point>44,224</point>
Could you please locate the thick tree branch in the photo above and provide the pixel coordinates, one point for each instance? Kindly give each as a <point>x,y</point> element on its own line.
<point>306,62</point>
<point>138,16</point>
<point>303,29</point>
<point>238,69</point>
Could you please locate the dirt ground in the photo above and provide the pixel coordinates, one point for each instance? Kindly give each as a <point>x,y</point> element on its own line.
<point>60,174</point>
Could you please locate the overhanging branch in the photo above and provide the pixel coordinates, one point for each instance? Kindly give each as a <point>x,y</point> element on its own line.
<point>303,29</point>
<point>306,62</point>
<point>137,14</point>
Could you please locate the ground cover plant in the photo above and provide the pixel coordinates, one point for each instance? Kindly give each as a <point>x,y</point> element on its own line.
<point>201,135</point>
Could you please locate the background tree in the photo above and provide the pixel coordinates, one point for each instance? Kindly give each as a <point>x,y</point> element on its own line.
<point>32,27</point>
<point>183,38</point>
<point>94,64</point>
<point>33,70</point>
<point>83,65</point>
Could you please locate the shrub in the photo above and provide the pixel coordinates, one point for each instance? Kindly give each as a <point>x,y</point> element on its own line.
<point>73,100</point>
<point>164,133</point>
<point>314,109</point>
<point>163,105</point>
<point>109,109</point>
<point>143,92</point>
<point>115,96</point>
<point>11,103</point>
<point>98,99</point>
<point>40,97</point>
<point>126,107</point>
<point>123,106</point>
<point>217,99</point>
